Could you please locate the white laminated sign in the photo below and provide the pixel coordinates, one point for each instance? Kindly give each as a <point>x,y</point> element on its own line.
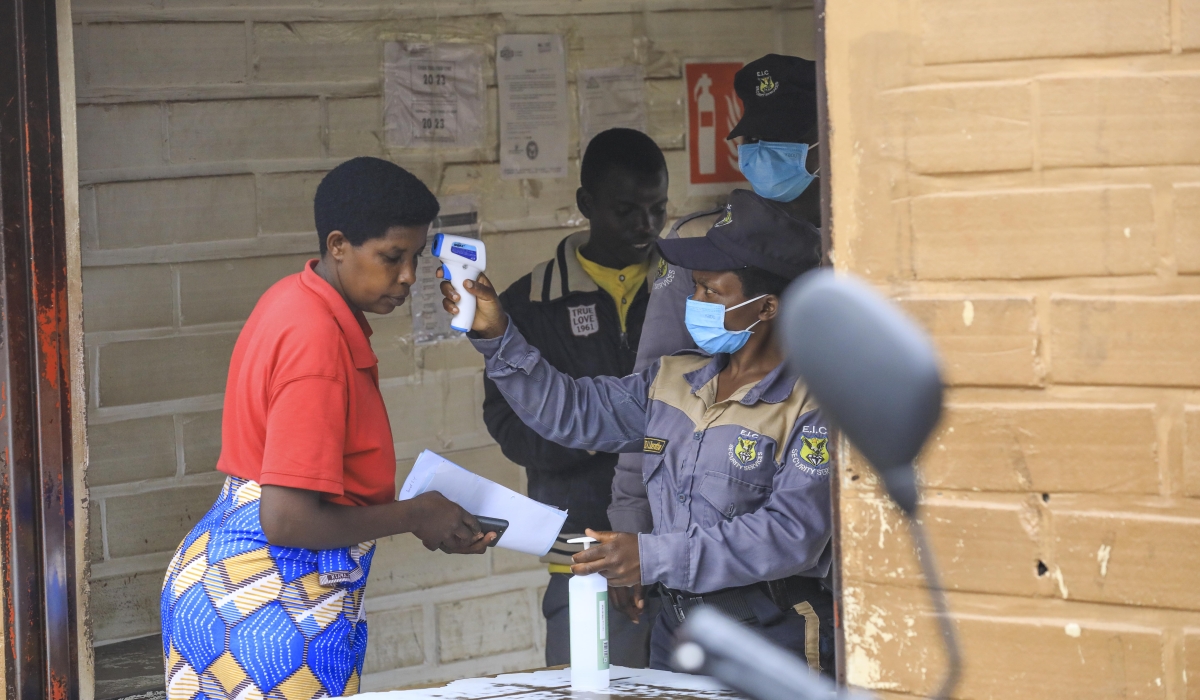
<point>531,73</point>
<point>610,98</point>
<point>433,95</point>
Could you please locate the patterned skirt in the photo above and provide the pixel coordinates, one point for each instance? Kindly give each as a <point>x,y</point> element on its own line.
<point>242,619</point>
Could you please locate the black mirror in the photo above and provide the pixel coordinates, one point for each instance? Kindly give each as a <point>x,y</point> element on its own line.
<point>871,369</point>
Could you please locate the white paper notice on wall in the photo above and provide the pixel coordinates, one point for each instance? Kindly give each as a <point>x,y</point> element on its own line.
<point>459,216</point>
<point>531,73</point>
<point>610,98</point>
<point>433,95</point>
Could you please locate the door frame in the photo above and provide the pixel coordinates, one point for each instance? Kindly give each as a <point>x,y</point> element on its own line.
<point>38,477</point>
<point>825,181</point>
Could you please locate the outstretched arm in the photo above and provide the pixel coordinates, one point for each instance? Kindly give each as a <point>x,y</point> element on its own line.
<point>606,414</point>
<point>520,444</point>
<point>298,518</point>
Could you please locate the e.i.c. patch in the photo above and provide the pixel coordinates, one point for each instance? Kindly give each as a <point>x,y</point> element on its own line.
<point>815,451</point>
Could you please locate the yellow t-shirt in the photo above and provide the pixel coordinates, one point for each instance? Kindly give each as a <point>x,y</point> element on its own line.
<point>622,285</point>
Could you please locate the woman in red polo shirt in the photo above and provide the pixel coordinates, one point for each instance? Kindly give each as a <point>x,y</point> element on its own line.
<point>265,594</point>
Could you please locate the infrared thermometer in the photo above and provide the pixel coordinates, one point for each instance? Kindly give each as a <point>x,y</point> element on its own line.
<point>462,259</point>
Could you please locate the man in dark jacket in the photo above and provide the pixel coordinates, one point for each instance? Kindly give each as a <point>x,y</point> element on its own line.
<point>583,309</point>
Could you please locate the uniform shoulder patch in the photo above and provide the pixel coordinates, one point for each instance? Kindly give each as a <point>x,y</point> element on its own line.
<point>654,446</point>
<point>662,268</point>
<point>814,450</point>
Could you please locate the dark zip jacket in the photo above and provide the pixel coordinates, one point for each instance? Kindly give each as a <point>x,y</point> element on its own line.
<point>575,325</point>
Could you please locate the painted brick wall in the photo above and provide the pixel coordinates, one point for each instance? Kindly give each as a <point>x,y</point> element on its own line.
<point>1022,176</point>
<point>204,128</point>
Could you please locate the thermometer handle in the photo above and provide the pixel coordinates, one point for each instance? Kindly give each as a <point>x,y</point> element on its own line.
<point>466,301</point>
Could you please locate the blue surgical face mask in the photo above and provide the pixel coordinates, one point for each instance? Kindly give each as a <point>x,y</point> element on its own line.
<point>706,322</point>
<point>776,170</point>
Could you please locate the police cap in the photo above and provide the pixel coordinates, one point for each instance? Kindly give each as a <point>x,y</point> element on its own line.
<point>754,232</point>
<point>780,97</point>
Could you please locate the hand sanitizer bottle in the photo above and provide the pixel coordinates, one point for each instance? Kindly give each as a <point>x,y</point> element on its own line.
<point>589,629</point>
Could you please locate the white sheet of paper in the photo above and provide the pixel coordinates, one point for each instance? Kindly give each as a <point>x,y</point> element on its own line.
<point>433,95</point>
<point>532,526</point>
<point>610,98</point>
<point>531,73</point>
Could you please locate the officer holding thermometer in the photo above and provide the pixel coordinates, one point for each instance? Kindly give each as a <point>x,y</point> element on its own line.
<point>777,154</point>
<point>736,454</point>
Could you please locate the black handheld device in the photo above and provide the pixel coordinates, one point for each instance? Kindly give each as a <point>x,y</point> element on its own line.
<point>496,525</point>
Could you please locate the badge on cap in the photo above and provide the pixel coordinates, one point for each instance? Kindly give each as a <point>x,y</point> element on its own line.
<point>766,84</point>
<point>727,219</point>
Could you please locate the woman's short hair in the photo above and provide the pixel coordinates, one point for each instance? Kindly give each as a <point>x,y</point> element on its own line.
<point>364,197</point>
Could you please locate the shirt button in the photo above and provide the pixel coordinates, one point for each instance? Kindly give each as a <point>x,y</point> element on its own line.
<point>696,435</point>
<point>624,300</point>
<point>682,498</point>
<point>622,278</point>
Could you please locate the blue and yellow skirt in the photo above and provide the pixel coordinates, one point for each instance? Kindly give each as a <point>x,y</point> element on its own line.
<point>243,619</point>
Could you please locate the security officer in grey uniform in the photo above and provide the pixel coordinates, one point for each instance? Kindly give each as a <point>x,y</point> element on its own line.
<point>778,156</point>
<point>736,452</point>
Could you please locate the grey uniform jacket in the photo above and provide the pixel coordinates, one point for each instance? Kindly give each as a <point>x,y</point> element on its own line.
<point>663,333</point>
<point>738,489</point>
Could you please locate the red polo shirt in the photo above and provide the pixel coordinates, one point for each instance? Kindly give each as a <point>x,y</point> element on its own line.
<point>302,404</point>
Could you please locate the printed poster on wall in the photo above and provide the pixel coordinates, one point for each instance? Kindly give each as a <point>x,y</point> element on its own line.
<point>713,110</point>
<point>459,216</point>
<point>433,95</point>
<point>610,98</point>
<point>531,73</point>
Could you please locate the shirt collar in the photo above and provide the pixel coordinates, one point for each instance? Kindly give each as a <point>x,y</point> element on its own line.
<point>622,282</point>
<point>776,387</point>
<point>353,323</point>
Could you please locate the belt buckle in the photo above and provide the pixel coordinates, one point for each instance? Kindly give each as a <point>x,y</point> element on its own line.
<point>680,612</point>
<point>678,605</point>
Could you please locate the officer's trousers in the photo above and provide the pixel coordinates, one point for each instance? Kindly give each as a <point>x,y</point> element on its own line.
<point>790,629</point>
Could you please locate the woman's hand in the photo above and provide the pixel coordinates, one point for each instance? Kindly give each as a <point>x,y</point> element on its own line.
<point>443,524</point>
<point>616,557</point>
<point>490,319</point>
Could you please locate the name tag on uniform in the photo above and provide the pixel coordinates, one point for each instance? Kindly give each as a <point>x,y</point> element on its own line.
<point>584,321</point>
<point>654,446</point>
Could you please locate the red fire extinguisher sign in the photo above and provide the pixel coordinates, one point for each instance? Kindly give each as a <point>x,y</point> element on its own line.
<point>713,110</point>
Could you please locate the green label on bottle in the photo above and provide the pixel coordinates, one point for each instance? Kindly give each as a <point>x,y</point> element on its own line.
<point>602,630</point>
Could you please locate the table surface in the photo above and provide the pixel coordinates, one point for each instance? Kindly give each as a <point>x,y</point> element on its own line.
<point>556,685</point>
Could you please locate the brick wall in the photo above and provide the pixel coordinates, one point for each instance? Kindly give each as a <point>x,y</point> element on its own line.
<point>1023,177</point>
<point>204,128</point>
